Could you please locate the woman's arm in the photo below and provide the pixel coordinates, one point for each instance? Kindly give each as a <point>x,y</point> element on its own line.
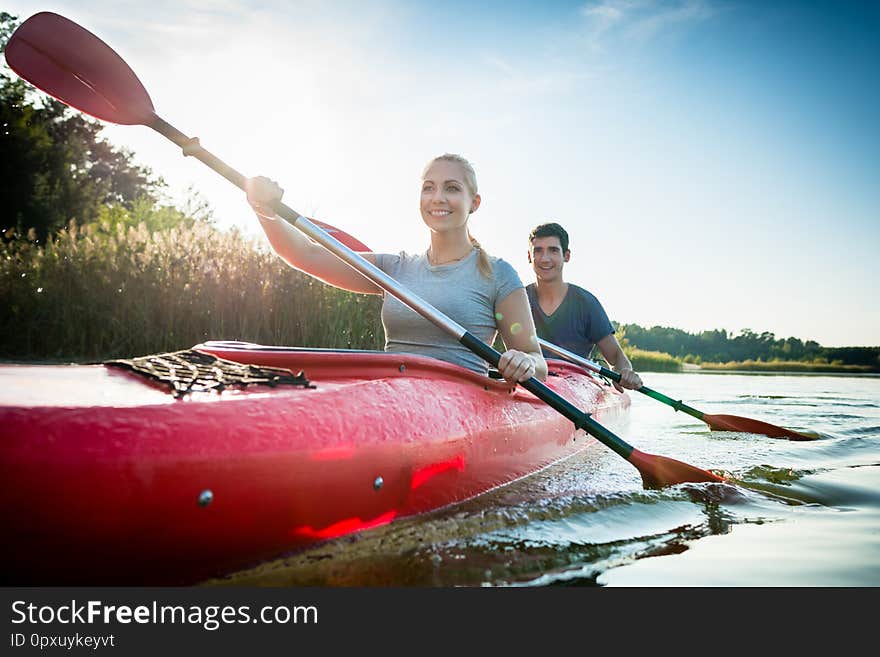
<point>523,358</point>
<point>296,249</point>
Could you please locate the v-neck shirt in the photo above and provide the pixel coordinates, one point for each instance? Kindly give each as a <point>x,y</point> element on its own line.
<point>577,324</point>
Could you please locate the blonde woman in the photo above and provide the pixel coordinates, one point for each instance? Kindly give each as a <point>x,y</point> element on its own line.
<point>455,275</point>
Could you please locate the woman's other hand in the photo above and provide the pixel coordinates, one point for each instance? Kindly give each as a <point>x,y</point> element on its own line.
<point>516,366</point>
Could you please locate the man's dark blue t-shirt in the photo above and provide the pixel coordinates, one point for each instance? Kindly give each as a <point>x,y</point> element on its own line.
<point>577,325</point>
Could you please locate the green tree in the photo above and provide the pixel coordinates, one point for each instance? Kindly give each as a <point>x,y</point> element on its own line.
<point>54,167</point>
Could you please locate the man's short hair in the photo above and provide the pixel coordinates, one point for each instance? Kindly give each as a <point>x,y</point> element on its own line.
<point>550,230</point>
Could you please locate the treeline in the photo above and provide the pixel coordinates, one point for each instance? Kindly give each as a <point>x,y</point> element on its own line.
<point>718,346</point>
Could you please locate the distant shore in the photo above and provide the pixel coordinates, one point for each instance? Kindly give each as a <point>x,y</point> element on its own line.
<point>660,362</point>
<point>788,367</point>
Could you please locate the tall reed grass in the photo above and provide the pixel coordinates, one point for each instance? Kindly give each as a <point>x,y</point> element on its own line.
<point>652,361</point>
<point>106,291</point>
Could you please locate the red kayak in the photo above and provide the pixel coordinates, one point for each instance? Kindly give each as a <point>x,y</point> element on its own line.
<point>110,476</point>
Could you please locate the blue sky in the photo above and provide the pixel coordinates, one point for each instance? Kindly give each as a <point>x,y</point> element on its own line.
<point>715,162</point>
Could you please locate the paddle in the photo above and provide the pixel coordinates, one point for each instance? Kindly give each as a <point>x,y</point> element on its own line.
<point>73,65</point>
<point>715,422</point>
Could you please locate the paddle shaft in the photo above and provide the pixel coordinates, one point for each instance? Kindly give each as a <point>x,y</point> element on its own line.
<point>191,147</point>
<point>615,376</point>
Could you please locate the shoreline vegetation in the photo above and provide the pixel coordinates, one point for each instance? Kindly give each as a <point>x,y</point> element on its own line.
<point>787,366</point>
<point>110,289</point>
<point>654,361</point>
<point>115,288</point>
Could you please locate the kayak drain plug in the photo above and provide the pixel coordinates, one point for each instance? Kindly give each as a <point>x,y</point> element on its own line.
<point>206,497</point>
<point>377,483</point>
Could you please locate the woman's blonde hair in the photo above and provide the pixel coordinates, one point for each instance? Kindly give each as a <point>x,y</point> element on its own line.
<point>470,179</point>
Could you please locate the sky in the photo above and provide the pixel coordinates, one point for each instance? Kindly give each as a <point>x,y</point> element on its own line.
<point>715,162</point>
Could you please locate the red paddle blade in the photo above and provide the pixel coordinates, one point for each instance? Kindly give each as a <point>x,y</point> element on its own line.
<point>351,242</point>
<point>660,471</point>
<point>745,425</point>
<point>73,65</point>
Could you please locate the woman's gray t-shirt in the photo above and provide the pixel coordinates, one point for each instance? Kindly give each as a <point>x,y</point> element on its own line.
<point>458,290</point>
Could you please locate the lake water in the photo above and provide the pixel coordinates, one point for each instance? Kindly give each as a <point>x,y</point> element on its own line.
<point>797,513</point>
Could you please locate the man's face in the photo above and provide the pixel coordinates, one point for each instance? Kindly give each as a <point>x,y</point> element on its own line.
<point>547,258</point>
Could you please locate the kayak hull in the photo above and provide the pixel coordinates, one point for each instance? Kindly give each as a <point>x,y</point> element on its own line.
<point>106,478</point>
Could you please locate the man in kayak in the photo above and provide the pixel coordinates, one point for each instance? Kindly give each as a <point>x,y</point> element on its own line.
<point>455,275</point>
<point>567,315</point>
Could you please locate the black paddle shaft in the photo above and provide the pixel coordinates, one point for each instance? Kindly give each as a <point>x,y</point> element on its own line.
<point>581,420</point>
<point>192,147</point>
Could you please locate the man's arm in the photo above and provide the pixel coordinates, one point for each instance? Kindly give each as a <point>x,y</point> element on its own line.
<point>610,348</point>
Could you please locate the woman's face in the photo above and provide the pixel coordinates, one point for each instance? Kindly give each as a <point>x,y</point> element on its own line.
<point>446,200</point>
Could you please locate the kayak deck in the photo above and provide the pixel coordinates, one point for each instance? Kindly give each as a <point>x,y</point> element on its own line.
<point>107,478</point>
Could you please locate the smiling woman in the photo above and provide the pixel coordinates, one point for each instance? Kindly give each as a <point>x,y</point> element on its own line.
<point>455,275</point>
